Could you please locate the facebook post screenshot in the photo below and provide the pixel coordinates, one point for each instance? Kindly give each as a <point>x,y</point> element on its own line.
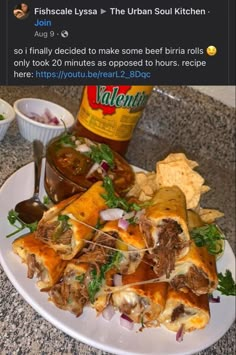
<point>117,177</point>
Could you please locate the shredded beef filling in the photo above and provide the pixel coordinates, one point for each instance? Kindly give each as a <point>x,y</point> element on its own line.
<point>96,253</point>
<point>33,267</point>
<point>107,239</point>
<point>194,279</point>
<point>180,311</point>
<point>70,295</point>
<point>127,308</point>
<point>177,312</point>
<point>134,308</point>
<point>168,246</point>
<point>51,233</point>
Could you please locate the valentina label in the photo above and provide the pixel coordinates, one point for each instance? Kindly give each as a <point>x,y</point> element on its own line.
<point>108,98</point>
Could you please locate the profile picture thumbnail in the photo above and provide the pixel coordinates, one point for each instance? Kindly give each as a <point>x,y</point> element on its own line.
<point>21,11</point>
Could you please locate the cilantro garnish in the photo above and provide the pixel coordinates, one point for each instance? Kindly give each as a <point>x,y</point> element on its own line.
<point>62,227</point>
<point>101,152</point>
<point>226,284</point>
<point>208,236</point>
<point>114,201</point>
<point>46,200</point>
<point>99,224</point>
<point>80,278</point>
<point>66,139</point>
<point>97,279</point>
<point>2,117</point>
<point>63,218</point>
<point>19,224</point>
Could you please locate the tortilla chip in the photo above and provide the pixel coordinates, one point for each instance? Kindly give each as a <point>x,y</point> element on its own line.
<point>205,189</point>
<point>179,173</point>
<point>210,215</point>
<point>143,197</point>
<point>144,187</point>
<point>179,156</point>
<point>175,170</point>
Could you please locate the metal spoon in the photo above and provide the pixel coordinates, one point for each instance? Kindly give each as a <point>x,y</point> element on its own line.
<point>32,210</point>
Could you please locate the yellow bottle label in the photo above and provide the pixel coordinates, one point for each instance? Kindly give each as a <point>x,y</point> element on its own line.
<point>113,111</point>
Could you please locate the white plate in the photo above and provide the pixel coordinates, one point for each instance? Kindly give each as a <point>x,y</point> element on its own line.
<point>89,329</point>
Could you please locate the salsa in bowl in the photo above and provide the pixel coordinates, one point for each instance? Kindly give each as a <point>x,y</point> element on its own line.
<point>75,163</point>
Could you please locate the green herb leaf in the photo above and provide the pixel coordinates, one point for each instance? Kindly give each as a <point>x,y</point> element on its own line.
<point>208,236</point>
<point>101,152</point>
<point>99,224</point>
<point>63,218</point>
<point>114,201</point>
<point>97,279</point>
<point>2,117</point>
<point>226,284</point>
<point>15,221</point>
<point>46,200</point>
<point>80,278</point>
<point>67,140</point>
<point>62,227</point>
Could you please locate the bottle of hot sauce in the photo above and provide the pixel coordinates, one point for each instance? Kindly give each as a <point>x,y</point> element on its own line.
<point>109,114</point>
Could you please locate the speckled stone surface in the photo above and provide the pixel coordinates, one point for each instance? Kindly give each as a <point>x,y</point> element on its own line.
<point>176,119</point>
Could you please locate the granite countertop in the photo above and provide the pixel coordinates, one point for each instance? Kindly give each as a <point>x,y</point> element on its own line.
<point>175,119</point>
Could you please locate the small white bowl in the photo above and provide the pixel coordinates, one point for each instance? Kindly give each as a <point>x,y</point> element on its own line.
<point>31,129</point>
<point>9,114</point>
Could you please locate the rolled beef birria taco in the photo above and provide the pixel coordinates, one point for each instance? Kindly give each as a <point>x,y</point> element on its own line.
<point>41,260</point>
<point>66,229</point>
<point>140,297</point>
<point>185,311</point>
<point>130,242</point>
<point>164,225</point>
<point>197,269</point>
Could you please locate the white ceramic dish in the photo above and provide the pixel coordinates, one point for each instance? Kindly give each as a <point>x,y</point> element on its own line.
<point>89,329</point>
<point>9,114</point>
<point>31,129</point>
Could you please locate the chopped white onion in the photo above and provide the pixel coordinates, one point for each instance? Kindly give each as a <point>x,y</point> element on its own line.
<point>126,322</point>
<point>108,312</point>
<point>139,214</point>
<point>89,142</point>
<point>123,224</point>
<point>117,280</point>
<point>83,148</point>
<point>129,215</point>
<point>93,168</point>
<point>111,214</point>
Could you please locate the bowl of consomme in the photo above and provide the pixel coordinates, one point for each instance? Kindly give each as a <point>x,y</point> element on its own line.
<point>74,164</point>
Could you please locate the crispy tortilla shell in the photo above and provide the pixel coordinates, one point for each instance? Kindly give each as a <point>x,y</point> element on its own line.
<point>169,203</point>
<point>140,301</point>
<point>84,209</point>
<point>185,309</point>
<point>41,260</point>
